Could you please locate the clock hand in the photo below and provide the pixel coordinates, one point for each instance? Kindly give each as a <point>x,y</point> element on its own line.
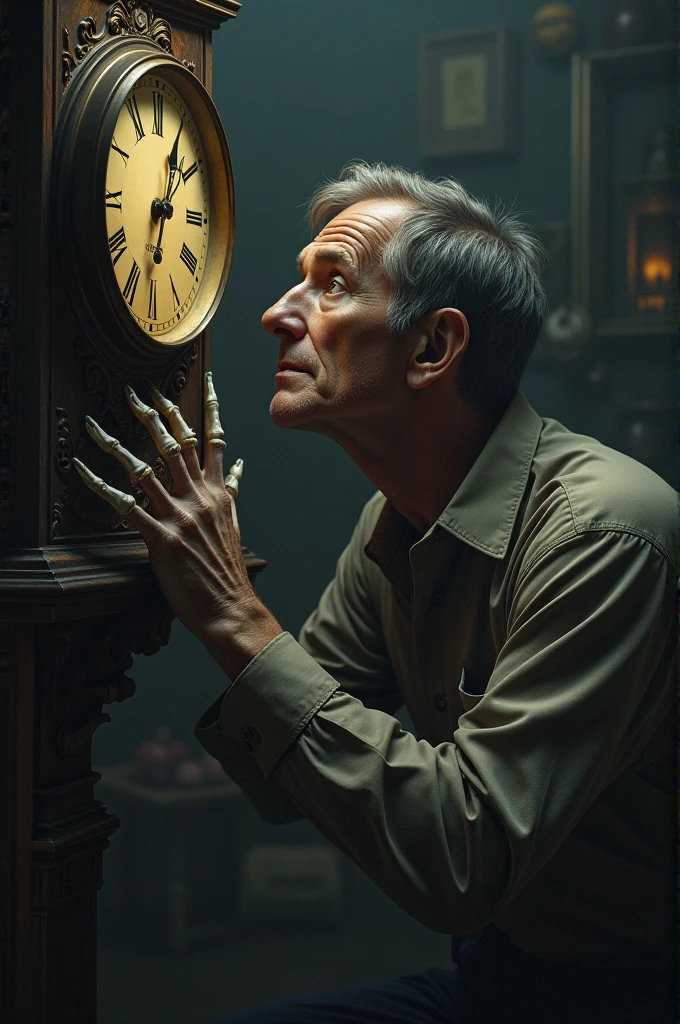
<point>171,193</point>
<point>172,159</point>
<point>164,210</point>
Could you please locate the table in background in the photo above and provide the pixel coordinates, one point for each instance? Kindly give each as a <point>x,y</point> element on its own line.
<point>172,873</point>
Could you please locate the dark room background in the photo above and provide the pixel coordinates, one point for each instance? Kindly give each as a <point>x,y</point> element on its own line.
<point>302,87</point>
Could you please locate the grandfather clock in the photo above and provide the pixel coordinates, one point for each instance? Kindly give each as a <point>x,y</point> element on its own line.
<point>116,230</point>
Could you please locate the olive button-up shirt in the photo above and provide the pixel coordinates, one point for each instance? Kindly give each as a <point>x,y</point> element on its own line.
<point>532,634</point>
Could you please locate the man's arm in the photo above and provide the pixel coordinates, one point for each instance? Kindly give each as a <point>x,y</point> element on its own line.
<point>343,636</point>
<point>452,833</point>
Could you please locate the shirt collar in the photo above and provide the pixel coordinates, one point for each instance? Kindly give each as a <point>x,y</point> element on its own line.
<point>483,510</point>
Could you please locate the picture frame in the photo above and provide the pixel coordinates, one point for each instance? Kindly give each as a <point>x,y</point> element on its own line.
<point>468,92</point>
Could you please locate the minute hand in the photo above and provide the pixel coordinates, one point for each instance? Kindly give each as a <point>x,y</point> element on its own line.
<point>172,159</point>
<point>171,190</point>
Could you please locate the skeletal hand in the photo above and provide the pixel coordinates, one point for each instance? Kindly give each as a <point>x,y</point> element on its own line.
<point>193,535</point>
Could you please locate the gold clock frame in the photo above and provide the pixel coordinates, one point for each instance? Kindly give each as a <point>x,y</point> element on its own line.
<point>84,130</point>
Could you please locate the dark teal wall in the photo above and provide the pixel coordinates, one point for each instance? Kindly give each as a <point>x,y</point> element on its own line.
<point>302,87</point>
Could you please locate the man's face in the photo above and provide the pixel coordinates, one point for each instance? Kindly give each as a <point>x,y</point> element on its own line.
<point>338,366</point>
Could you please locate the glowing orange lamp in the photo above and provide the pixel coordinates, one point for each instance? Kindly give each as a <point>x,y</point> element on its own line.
<point>652,248</point>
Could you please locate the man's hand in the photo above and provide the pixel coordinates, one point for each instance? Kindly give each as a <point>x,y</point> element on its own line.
<point>193,535</point>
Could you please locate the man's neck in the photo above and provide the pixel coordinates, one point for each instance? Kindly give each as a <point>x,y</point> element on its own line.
<point>420,461</point>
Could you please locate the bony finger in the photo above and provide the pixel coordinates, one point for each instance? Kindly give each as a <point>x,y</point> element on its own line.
<point>233,478</point>
<point>181,431</point>
<point>123,503</point>
<point>234,519</point>
<point>137,469</point>
<point>214,434</point>
<point>165,443</point>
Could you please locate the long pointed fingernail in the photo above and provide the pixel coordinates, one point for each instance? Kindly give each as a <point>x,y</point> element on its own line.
<point>123,503</point>
<point>214,433</point>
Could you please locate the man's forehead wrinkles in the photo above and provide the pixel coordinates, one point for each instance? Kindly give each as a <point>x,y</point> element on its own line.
<point>349,235</point>
<point>364,232</point>
<point>322,252</point>
<point>360,255</point>
<point>338,237</point>
<point>377,224</point>
<point>321,249</point>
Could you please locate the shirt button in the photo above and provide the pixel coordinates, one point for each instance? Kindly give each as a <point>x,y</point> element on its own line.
<point>437,597</point>
<point>250,736</point>
<point>440,702</point>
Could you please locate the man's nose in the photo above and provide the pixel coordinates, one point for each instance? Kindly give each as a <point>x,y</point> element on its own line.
<point>285,318</point>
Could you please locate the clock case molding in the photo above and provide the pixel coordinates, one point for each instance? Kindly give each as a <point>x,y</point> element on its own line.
<point>77,598</point>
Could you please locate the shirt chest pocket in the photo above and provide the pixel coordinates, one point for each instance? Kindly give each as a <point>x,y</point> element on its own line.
<point>471,688</point>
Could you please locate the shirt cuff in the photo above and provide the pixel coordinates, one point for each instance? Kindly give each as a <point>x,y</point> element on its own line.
<point>264,711</point>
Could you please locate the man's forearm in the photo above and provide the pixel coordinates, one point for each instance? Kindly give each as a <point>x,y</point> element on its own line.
<point>240,635</point>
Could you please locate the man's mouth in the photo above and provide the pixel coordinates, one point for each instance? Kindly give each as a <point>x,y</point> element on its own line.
<point>285,368</point>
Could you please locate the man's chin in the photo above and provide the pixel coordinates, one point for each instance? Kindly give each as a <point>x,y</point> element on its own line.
<point>286,410</point>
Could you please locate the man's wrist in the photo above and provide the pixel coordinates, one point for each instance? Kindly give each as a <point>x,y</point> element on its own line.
<point>234,640</point>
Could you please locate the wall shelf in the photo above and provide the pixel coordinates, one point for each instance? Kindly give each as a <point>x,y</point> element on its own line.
<point>635,327</point>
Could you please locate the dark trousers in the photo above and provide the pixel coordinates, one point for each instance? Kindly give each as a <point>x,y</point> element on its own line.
<point>493,983</point>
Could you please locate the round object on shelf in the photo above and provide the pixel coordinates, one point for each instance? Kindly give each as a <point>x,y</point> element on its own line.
<point>658,158</point>
<point>153,763</point>
<point>212,769</point>
<point>189,773</point>
<point>627,23</point>
<point>556,30</point>
<point>567,329</point>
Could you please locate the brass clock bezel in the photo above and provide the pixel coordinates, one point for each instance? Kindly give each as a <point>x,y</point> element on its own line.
<point>85,127</point>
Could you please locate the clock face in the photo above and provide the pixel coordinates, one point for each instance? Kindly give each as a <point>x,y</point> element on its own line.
<point>157,203</point>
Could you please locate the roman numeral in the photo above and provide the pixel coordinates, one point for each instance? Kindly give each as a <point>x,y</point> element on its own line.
<point>188,259</point>
<point>111,198</point>
<point>114,145</point>
<point>152,300</point>
<point>157,114</point>
<point>131,284</point>
<point>194,217</point>
<point>117,245</point>
<point>133,111</point>
<point>189,171</point>
<point>175,297</point>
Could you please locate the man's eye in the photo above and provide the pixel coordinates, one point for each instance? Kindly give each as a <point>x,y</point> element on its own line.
<point>336,285</point>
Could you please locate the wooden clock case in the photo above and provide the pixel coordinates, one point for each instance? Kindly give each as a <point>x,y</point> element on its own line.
<point>77,598</point>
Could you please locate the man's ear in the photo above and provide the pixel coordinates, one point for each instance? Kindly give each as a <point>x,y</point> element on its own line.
<point>439,345</point>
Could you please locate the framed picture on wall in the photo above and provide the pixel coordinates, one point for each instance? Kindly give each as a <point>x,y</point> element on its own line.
<point>468,92</point>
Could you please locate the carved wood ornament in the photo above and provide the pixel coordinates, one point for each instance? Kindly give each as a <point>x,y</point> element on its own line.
<point>125,17</point>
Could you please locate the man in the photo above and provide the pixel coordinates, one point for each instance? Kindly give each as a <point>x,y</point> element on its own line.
<point>511,583</point>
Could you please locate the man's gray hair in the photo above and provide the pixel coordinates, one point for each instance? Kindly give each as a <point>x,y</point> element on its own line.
<point>454,251</point>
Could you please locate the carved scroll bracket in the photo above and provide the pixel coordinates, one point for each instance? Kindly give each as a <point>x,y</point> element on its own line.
<point>89,660</point>
<point>124,17</point>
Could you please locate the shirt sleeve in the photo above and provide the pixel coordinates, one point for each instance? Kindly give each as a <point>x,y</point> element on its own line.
<point>344,636</point>
<point>452,832</point>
